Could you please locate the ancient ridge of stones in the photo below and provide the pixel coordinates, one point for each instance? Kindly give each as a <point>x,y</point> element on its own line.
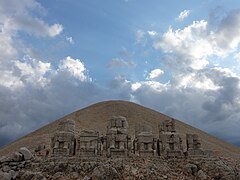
<point>118,143</point>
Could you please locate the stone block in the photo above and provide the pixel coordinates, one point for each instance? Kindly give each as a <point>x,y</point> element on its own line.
<point>27,155</point>
<point>16,156</point>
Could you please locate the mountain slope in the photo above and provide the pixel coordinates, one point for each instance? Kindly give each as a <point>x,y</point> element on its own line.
<point>95,117</point>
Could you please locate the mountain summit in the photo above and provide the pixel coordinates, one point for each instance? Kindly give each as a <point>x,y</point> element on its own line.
<point>95,117</point>
<point>119,140</point>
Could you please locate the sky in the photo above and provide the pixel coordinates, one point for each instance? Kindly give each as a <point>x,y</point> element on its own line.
<point>179,58</point>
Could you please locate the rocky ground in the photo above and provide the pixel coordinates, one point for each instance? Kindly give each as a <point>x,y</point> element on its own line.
<point>22,165</point>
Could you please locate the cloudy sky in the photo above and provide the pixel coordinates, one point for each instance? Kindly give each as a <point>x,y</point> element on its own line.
<point>182,59</point>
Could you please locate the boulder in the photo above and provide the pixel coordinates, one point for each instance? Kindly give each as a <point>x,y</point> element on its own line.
<point>86,178</point>
<point>104,172</point>
<point>6,168</point>
<point>191,169</point>
<point>201,175</point>
<point>26,153</point>
<point>13,174</point>
<point>59,175</point>
<point>29,175</point>
<point>16,156</point>
<point>3,159</point>
<point>5,176</point>
<point>73,175</point>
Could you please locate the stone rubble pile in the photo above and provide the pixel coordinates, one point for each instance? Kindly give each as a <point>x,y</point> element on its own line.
<point>14,162</point>
<point>121,168</point>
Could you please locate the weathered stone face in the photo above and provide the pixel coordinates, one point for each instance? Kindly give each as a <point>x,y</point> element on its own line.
<point>88,143</point>
<point>117,138</point>
<point>170,142</point>
<point>167,126</point>
<point>170,145</point>
<point>66,126</point>
<point>63,141</point>
<point>194,147</point>
<point>145,144</point>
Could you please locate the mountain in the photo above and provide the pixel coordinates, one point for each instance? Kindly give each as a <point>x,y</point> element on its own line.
<point>95,117</point>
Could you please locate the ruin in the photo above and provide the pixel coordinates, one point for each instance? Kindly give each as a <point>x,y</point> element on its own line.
<point>118,143</point>
<point>194,147</point>
<point>145,144</point>
<point>170,142</point>
<point>88,143</point>
<point>167,126</point>
<point>63,141</point>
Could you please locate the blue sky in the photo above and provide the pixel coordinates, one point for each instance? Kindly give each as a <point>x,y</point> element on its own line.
<point>181,59</point>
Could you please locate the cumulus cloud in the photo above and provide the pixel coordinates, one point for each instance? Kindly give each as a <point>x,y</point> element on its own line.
<point>17,16</point>
<point>118,62</point>
<point>184,14</point>
<point>192,41</point>
<point>74,67</point>
<point>32,71</point>
<point>155,74</point>
<point>199,40</point>
<point>32,91</point>
<point>227,36</point>
<point>152,33</point>
<point>213,92</point>
<point>44,94</point>
<point>209,100</point>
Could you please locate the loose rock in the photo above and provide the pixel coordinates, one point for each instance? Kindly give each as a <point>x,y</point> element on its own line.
<point>26,153</point>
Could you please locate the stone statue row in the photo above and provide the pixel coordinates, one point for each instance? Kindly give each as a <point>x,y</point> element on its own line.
<point>118,143</point>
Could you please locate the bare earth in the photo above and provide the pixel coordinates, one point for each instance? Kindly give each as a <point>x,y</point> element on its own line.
<point>95,117</point>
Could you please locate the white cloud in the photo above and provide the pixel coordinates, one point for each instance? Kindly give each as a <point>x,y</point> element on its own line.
<point>155,85</point>
<point>195,87</point>
<point>152,33</point>
<point>6,49</point>
<point>33,71</point>
<point>70,40</point>
<point>33,26</point>
<point>212,94</point>
<point>183,15</point>
<point>191,41</point>
<point>155,74</point>
<point>18,16</point>
<point>35,92</point>
<point>118,62</point>
<point>196,80</point>
<point>199,41</point>
<point>227,35</point>
<point>15,16</point>
<point>140,37</point>
<point>136,86</point>
<point>9,80</point>
<point>75,67</point>
<point>54,30</point>
<point>199,63</point>
<point>237,56</point>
